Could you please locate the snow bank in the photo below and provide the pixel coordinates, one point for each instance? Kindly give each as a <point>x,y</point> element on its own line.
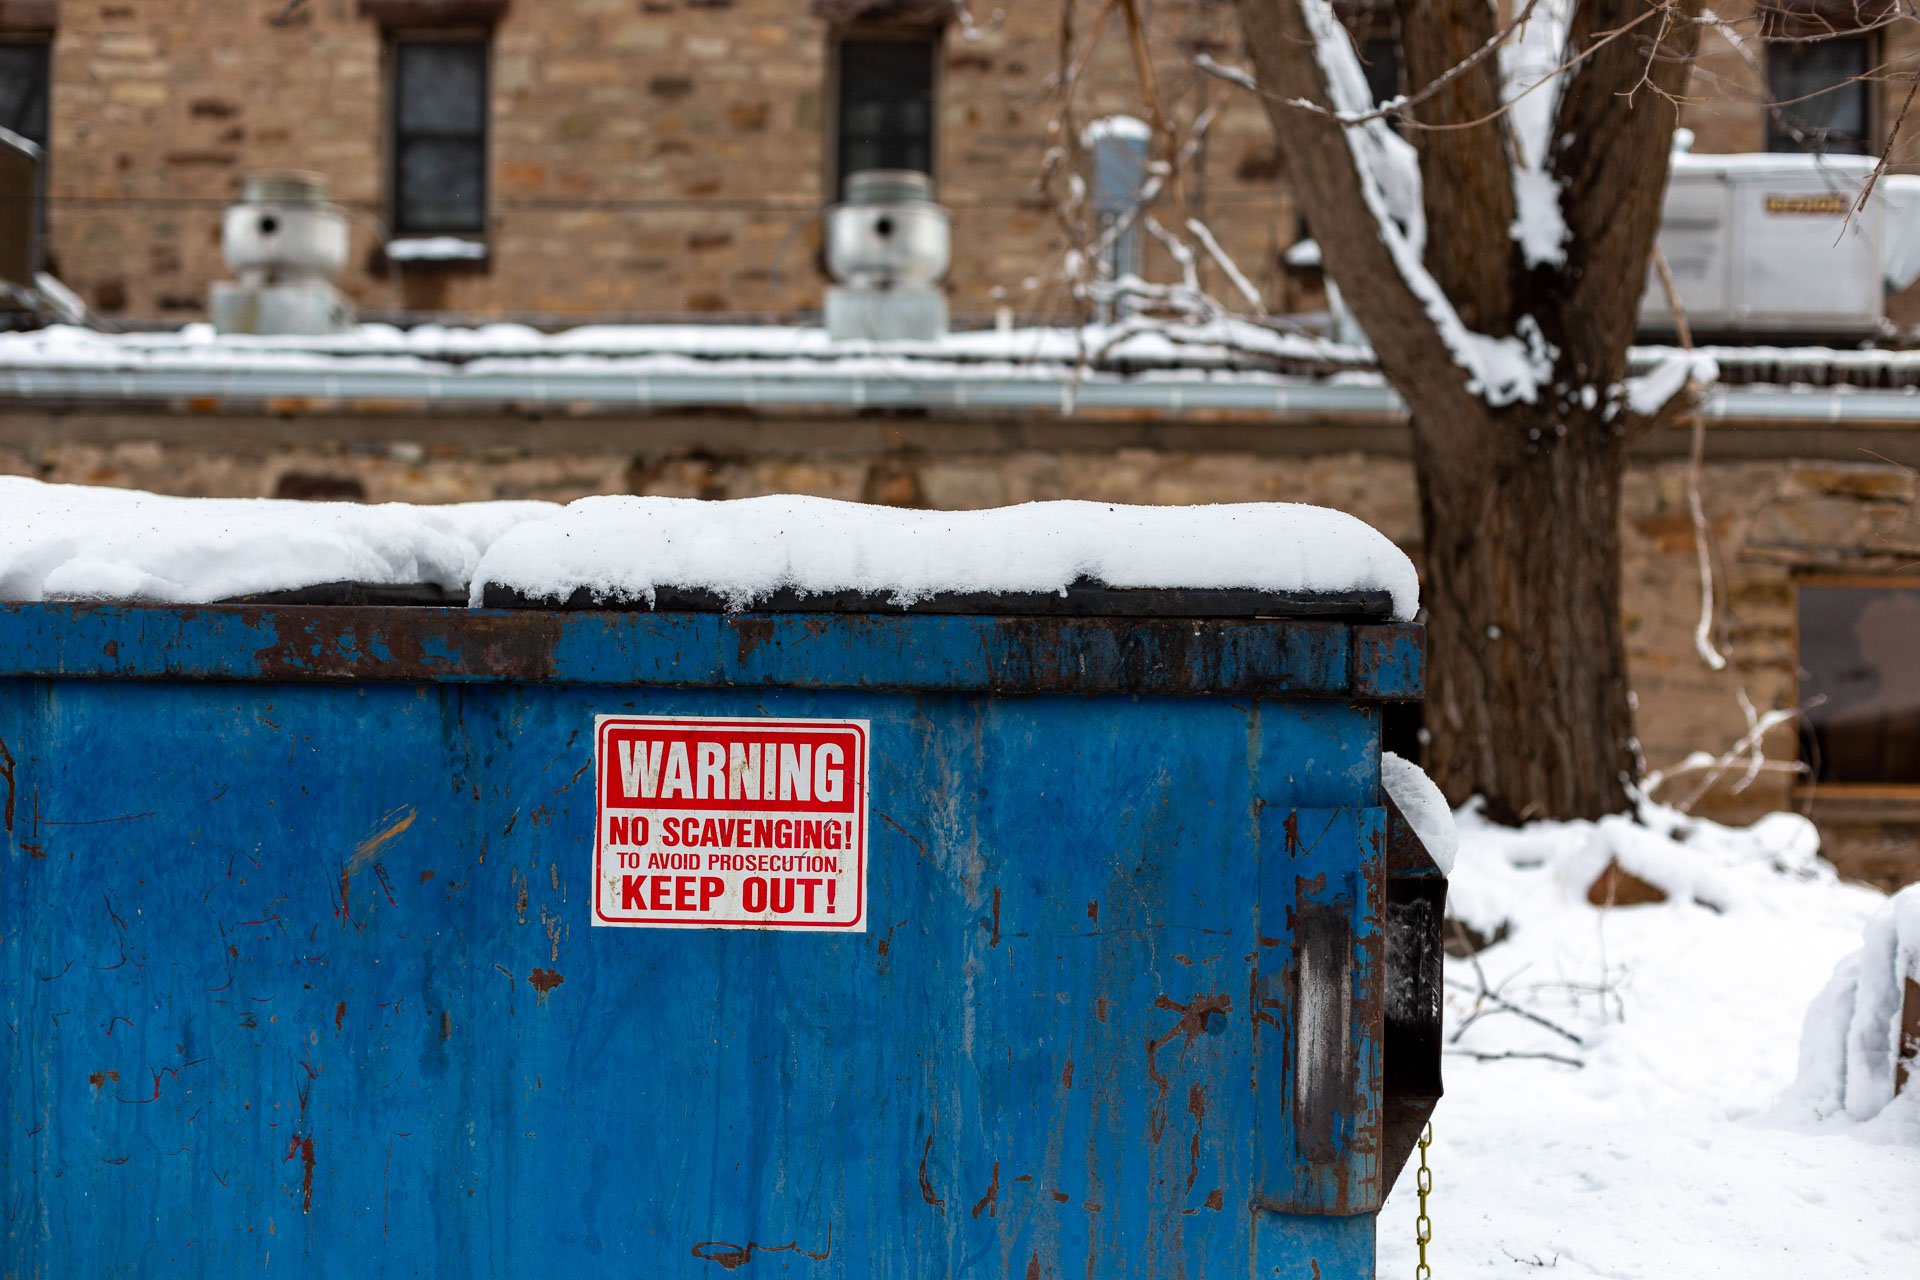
<point>1637,1134</point>
<point>1851,1046</point>
<point>745,550</point>
<point>1691,860</point>
<point>1424,808</point>
<point>72,542</point>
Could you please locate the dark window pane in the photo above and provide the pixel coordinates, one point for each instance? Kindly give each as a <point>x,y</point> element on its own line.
<point>442,88</point>
<point>23,90</point>
<point>1860,684</point>
<point>886,106</point>
<point>1834,119</point>
<point>1380,59</point>
<point>442,184</point>
<point>440,137</point>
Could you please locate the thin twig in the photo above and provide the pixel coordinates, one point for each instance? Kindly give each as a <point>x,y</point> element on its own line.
<point>1508,1006</point>
<point>1477,1056</point>
<point>1397,108</point>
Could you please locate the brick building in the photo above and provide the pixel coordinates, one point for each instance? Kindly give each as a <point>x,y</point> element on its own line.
<point>594,160</point>
<point>669,157</point>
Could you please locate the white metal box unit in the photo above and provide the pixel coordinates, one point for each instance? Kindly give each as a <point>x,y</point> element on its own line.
<point>285,242</point>
<point>1763,245</point>
<point>888,245</point>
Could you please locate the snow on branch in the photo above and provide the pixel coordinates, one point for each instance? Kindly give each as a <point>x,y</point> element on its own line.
<point>1533,72</point>
<point>1499,370</point>
<point>1648,393</point>
<point>1227,265</point>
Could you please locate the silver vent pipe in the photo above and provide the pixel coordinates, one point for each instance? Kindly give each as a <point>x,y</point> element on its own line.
<point>888,246</point>
<point>285,242</point>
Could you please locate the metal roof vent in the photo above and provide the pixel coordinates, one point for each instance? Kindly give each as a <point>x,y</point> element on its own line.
<point>285,242</point>
<point>888,245</point>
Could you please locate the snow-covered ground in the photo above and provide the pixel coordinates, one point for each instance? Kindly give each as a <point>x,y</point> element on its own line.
<point>1677,1148</point>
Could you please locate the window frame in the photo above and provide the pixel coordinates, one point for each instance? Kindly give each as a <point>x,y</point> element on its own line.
<point>1806,786</point>
<point>43,41</point>
<point>1787,36</point>
<point>396,40</point>
<point>935,40</point>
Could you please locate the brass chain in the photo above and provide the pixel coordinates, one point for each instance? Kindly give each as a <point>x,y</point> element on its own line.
<point>1423,1225</point>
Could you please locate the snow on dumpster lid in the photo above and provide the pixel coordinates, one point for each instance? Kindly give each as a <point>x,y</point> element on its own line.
<point>73,542</point>
<point>785,552</point>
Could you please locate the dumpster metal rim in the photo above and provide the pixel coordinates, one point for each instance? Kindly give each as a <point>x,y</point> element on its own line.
<point>1084,598</point>
<point>901,652</point>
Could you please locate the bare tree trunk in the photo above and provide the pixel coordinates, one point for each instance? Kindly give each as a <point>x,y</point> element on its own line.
<point>1528,698</point>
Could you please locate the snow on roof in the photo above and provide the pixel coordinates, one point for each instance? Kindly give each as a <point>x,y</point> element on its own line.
<point>72,542</point>
<point>746,550</point>
<point>1225,343</point>
<point>1129,128</point>
<point>1774,163</point>
<point>786,362</point>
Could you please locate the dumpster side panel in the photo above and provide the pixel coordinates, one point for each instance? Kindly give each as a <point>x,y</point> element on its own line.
<point>299,979</point>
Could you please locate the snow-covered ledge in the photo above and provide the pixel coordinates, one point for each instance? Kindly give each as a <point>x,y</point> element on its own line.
<point>436,249</point>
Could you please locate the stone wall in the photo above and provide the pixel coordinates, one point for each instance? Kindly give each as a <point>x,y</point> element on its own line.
<point>1774,522</point>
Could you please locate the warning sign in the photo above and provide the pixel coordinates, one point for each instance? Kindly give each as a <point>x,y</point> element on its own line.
<point>710,823</point>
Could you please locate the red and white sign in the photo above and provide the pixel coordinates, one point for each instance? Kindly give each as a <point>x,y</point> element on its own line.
<point>710,823</point>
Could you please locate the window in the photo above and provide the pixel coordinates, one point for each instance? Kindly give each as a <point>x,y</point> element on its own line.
<point>23,111</point>
<point>885,116</point>
<point>439,137</point>
<point>23,90</point>
<point>1859,683</point>
<point>1380,59</point>
<point>1823,97</point>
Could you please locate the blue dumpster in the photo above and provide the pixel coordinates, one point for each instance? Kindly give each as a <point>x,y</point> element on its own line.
<point>1098,949</point>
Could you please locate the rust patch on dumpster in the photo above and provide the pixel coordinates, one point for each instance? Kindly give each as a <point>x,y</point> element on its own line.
<point>6,773</point>
<point>752,633</point>
<point>303,1148</point>
<point>926,1184</point>
<point>732,1256</point>
<point>1193,1021</point>
<point>990,1201</point>
<point>545,980</point>
<point>1048,654</point>
<point>352,642</point>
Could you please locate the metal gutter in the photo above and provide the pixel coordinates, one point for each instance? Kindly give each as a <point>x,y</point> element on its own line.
<point>722,388</point>
<point>731,387</point>
<point>1814,404</point>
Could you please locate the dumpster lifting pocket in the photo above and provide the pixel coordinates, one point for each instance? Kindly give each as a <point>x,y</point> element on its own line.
<point>1323,1030</point>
